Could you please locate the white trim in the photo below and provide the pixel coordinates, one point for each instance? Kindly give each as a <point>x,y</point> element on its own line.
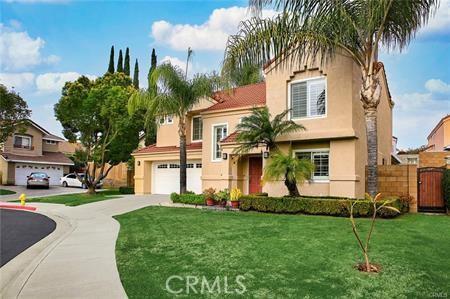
<point>213,147</point>
<point>39,162</point>
<point>52,139</point>
<point>192,129</point>
<point>167,119</point>
<point>307,100</point>
<point>320,150</point>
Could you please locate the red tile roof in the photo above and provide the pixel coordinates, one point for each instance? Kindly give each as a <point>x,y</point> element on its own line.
<point>56,158</point>
<point>161,149</point>
<point>230,138</point>
<point>244,96</point>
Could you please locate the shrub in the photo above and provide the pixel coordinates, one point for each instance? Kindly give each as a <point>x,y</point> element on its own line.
<point>446,187</point>
<point>313,206</point>
<point>223,195</point>
<point>209,193</point>
<point>187,198</point>
<point>126,190</point>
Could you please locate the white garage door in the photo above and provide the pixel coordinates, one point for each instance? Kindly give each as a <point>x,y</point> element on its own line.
<point>166,177</point>
<point>55,172</point>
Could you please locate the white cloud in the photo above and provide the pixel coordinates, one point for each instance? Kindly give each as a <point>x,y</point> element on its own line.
<point>19,81</point>
<point>19,51</point>
<point>440,22</point>
<point>211,35</point>
<point>54,82</point>
<point>437,86</point>
<point>175,61</point>
<point>418,113</point>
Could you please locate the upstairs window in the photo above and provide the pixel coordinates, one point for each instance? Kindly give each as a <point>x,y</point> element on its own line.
<point>21,141</point>
<point>197,128</point>
<point>308,98</point>
<point>219,133</point>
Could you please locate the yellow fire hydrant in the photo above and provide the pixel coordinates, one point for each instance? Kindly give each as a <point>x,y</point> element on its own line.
<point>22,199</point>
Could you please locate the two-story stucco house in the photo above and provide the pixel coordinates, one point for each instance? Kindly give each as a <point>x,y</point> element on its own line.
<point>34,150</point>
<point>439,138</point>
<point>323,99</point>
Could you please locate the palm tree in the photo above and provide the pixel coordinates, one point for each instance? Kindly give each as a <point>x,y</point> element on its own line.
<point>318,29</point>
<point>248,74</point>
<point>295,171</point>
<point>258,129</point>
<point>176,96</point>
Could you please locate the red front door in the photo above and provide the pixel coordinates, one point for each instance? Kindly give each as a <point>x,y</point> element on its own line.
<point>254,173</point>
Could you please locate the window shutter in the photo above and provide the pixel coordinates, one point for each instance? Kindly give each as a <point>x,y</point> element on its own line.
<point>299,100</point>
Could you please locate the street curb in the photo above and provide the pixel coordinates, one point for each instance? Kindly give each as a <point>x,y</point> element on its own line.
<point>15,274</point>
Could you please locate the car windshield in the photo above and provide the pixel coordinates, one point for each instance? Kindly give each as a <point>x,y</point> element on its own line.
<point>39,175</point>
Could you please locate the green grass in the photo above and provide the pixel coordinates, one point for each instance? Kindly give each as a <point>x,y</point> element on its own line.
<point>281,255</point>
<point>6,192</point>
<point>77,199</point>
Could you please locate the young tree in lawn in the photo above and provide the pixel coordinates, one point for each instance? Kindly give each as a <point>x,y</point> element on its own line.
<point>136,75</point>
<point>126,68</point>
<point>95,114</point>
<point>13,113</point>
<point>120,63</point>
<point>258,129</point>
<point>308,30</point>
<point>176,97</point>
<point>111,61</point>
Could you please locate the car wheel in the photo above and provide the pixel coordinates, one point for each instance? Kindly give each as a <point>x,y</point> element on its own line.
<point>65,185</point>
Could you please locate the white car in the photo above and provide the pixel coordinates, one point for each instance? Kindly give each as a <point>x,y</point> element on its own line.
<point>71,180</point>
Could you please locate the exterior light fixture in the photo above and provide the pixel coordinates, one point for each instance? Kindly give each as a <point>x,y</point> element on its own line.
<point>266,155</point>
<point>224,156</point>
<point>139,163</point>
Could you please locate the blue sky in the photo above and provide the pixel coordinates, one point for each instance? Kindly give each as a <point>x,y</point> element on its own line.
<point>43,43</point>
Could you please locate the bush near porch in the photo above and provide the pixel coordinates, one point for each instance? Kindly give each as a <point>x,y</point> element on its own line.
<point>188,198</point>
<point>316,206</point>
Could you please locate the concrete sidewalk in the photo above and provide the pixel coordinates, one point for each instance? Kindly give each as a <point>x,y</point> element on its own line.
<point>78,259</point>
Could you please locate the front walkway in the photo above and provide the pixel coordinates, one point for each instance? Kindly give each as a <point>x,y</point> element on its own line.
<point>78,259</point>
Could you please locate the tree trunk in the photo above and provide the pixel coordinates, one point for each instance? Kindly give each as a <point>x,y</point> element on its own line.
<point>292,187</point>
<point>370,97</point>
<point>91,189</point>
<point>183,158</point>
<point>372,151</point>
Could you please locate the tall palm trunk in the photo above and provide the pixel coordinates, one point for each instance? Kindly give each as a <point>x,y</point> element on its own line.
<point>370,96</point>
<point>183,156</point>
<point>291,185</point>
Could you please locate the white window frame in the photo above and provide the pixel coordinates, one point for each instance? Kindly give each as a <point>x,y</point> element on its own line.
<point>167,120</point>
<point>23,137</point>
<point>315,179</point>
<point>192,129</point>
<point>308,100</point>
<point>213,147</point>
<point>47,141</point>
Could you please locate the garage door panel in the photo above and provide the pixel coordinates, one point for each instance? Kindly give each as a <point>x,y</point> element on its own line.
<point>166,177</point>
<point>23,170</point>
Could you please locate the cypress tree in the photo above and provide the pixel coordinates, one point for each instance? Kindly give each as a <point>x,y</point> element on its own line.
<point>120,63</point>
<point>136,75</point>
<point>111,61</point>
<point>152,66</point>
<point>126,67</point>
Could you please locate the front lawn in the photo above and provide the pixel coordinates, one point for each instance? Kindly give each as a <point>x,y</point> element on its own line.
<point>6,192</point>
<point>279,256</point>
<point>77,199</point>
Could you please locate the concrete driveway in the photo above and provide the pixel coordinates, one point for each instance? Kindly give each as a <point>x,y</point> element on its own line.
<point>53,190</point>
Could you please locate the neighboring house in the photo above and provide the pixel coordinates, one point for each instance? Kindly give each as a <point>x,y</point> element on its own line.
<point>325,100</point>
<point>439,138</point>
<point>34,150</point>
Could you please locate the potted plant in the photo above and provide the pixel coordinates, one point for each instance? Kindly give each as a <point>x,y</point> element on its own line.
<point>222,197</point>
<point>209,196</point>
<point>234,197</point>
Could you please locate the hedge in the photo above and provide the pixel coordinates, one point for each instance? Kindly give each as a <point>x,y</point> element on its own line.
<point>314,206</point>
<point>188,198</point>
<point>446,187</point>
<point>126,190</point>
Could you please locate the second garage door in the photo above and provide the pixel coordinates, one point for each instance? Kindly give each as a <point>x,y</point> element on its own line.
<point>22,170</point>
<point>166,177</point>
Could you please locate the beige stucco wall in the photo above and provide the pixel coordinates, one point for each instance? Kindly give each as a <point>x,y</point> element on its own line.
<point>50,147</point>
<point>440,137</point>
<point>36,142</point>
